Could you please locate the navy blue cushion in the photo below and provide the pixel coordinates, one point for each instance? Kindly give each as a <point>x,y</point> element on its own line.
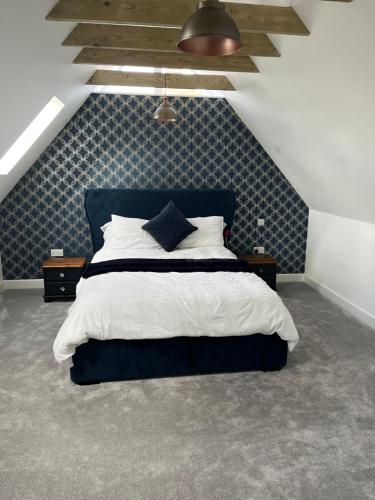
<point>170,227</point>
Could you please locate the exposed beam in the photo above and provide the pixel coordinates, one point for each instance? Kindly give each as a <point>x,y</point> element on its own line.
<point>120,78</point>
<point>115,57</point>
<point>258,18</point>
<point>112,36</point>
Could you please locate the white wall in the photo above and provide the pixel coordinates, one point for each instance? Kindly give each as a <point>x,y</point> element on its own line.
<point>313,110</point>
<point>340,262</point>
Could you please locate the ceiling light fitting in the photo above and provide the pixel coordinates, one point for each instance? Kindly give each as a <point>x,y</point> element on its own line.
<point>165,113</point>
<point>210,31</point>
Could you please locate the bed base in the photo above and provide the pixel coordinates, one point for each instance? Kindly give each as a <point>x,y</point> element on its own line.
<point>113,360</point>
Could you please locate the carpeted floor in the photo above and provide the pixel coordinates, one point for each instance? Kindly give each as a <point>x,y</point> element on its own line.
<point>307,432</point>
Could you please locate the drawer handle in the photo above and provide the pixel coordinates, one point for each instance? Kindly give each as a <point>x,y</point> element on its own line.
<point>62,288</point>
<point>62,275</point>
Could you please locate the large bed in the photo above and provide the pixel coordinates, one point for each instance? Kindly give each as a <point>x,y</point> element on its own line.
<point>145,313</point>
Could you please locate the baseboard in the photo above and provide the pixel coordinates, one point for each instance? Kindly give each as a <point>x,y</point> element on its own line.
<point>23,284</point>
<point>341,301</point>
<point>290,278</point>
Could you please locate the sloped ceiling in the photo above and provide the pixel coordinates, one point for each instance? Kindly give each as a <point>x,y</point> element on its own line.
<point>313,109</point>
<point>34,68</point>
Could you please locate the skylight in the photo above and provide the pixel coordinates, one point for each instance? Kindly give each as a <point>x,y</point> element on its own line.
<point>30,135</point>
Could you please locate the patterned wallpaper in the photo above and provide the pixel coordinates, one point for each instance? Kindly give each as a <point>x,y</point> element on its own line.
<point>113,141</point>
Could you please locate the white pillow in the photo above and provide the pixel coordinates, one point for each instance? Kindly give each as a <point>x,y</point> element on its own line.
<point>209,233</point>
<point>126,232</point>
<point>105,227</point>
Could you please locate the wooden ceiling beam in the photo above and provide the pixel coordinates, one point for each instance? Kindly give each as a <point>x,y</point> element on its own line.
<point>156,80</point>
<point>112,36</point>
<point>170,60</point>
<point>173,13</point>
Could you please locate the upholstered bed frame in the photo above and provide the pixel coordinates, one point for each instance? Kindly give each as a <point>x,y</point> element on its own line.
<point>110,360</point>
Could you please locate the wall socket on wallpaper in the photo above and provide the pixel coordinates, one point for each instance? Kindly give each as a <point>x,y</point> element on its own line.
<point>57,252</point>
<point>258,249</point>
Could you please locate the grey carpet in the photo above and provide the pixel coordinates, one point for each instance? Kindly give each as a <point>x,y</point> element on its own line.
<point>307,432</point>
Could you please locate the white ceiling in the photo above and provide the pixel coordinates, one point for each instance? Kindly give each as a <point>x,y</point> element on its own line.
<point>34,68</point>
<point>313,109</point>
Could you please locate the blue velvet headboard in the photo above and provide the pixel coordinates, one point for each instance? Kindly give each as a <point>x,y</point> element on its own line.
<point>146,203</point>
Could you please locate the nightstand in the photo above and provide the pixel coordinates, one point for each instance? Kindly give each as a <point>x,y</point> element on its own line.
<point>264,266</point>
<point>61,276</point>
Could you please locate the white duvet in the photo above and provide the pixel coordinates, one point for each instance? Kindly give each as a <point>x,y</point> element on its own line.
<point>148,305</point>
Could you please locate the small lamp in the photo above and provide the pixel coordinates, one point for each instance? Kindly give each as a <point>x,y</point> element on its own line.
<point>165,113</point>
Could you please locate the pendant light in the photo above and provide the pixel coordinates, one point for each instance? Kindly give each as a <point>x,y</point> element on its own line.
<point>210,31</point>
<point>165,113</point>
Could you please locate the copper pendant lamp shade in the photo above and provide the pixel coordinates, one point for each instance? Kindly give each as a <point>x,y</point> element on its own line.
<point>210,31</point>
<point>165,113</point>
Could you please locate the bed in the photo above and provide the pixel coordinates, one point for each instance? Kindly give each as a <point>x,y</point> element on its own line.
<point>120,326</point>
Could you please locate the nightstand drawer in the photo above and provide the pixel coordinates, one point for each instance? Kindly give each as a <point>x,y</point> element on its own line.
<point>62,274</point>
<point>264,270</point>
<point>60,289</point>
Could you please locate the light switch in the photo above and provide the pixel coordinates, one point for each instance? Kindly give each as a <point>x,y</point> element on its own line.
<point>260,222</point>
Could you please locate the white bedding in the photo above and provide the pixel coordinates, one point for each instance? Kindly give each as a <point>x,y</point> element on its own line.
<point>139,305</point>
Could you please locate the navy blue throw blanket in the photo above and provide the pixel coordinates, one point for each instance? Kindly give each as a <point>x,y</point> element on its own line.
<point>166,266</point>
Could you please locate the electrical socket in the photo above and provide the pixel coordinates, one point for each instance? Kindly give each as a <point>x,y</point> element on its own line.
<point>57,252</point>
<point>259,250</point>
<point>260,222</point>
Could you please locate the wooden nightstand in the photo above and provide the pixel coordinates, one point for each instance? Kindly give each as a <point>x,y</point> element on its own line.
<point>264,266</point>
<point>61,276</point>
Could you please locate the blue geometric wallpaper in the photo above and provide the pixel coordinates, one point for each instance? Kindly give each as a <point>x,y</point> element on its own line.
<point>113,141</point>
